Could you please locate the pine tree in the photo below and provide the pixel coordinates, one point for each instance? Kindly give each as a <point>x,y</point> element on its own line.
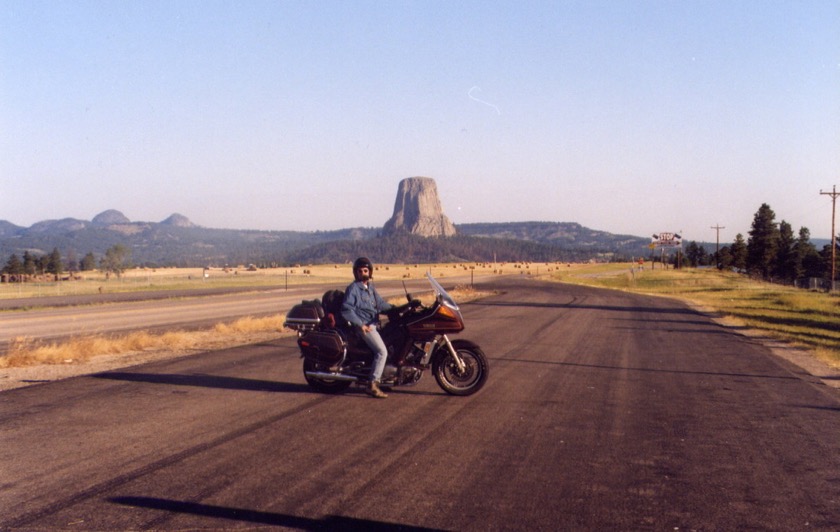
<point>696,255</point>
<point>72,261</point>
<point>41,264</point>
<point>785,266</point>
<point>763,244</point>
<point>54,264</point>
<point>807,261</point>
<point>825,256</point>
<point>28,263</point>
<point>13,266</point>
<point>88,262</point>
<point>725,258</point>
<point>692,254</point>
<point>739,253</point>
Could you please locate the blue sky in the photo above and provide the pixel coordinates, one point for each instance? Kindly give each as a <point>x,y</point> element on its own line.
<point>632,117</point>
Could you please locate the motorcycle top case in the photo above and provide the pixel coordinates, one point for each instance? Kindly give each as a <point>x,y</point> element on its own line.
<point>305,316</point>
<point>325,347</point>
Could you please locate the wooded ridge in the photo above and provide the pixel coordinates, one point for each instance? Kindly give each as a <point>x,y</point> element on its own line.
<point>178,242</point>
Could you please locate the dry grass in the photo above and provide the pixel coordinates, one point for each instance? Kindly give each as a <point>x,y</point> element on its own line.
<point>24,352</point>
<point>461,294</point>
<point>145,279</point>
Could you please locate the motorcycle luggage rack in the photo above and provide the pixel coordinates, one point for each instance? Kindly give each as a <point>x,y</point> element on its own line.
<point>305,316</point>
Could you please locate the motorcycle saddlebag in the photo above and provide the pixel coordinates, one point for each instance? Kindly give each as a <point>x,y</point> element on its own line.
<point>325,347</point>
<point>305,316</point>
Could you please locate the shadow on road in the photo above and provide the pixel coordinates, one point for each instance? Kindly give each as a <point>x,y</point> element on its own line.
<point>646,370</point>
<point>829,408</point>
<point>235,383</point>
<point>207,381</point>
<point>576,304</point>
<point>330,522</point>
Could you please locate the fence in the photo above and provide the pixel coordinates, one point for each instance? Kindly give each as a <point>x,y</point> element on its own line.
<point>817,283</point>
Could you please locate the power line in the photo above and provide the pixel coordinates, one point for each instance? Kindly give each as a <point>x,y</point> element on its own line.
<point>833,195</point>
<point>717,244</point>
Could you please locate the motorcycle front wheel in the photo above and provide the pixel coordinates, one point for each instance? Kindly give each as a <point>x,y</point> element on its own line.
<point>320,384</point>
<point>451,378</point>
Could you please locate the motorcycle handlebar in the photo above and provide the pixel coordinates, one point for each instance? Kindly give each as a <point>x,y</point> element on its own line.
<point>410,306</point>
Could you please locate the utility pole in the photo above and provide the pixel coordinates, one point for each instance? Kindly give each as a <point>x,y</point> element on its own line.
<point>717,244</point>
<point>833,195</point>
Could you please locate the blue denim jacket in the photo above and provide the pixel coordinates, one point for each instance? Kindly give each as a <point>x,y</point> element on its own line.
<point>363,304</point>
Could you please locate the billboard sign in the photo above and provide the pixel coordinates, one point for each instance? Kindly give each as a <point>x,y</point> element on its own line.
<point>666,240</point>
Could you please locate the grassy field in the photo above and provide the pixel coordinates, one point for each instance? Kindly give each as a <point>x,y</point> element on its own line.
<point>807,319</point>
<point>804,318</point>
<point>145,279</point>
<point>25,352</point>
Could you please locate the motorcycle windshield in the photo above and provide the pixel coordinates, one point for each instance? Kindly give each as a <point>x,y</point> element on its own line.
<point>439,289</point>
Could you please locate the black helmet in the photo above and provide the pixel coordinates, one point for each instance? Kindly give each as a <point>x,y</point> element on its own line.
<point>362,262</point>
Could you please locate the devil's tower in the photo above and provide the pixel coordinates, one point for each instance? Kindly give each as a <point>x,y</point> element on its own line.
<point>418,211</point>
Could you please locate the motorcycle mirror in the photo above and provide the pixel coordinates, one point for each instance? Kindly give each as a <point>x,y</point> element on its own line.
<point>407,293</point>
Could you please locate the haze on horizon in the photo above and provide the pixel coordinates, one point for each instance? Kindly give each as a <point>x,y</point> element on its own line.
<point>626,117</point>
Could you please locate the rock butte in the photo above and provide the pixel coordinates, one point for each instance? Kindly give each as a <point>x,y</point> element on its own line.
<point>417,210</point>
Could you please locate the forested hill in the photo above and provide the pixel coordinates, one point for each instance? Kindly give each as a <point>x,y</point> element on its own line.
<point>163,244</point>
<point>412,249</point>
<point>534,241</point>
<point>178,242</point>
<point>565,234</point>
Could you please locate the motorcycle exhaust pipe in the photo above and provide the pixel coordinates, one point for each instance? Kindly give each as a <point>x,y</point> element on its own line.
<point>331,376</point>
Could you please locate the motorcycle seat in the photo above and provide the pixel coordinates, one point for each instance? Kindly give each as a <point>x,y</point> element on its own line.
<point>332,301</point>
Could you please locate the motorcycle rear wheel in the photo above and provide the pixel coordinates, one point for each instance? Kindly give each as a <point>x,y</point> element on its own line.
<point>322,385</point>
<point>452,380</point>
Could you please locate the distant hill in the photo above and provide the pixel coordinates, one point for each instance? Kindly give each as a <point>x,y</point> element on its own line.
<point>8,229</point>
<point>176,241</point>
<point>565,234</point>
<point>532,241</point>
<point>458,248</point>
<point>110,217</point>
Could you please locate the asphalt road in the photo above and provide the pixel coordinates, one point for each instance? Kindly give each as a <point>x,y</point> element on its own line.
<point>603,411</point>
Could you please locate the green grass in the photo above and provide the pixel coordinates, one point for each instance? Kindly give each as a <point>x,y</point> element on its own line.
<point>807,319</point>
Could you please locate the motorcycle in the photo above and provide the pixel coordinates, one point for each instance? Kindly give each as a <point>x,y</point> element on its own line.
<point>335,357</point>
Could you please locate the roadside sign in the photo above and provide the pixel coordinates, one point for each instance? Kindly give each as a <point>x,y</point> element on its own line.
<point>666,240</point>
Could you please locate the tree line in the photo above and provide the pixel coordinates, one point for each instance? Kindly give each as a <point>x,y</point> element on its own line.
<point>772,252</point>
<point>115,261</point>
<point>408,248</point>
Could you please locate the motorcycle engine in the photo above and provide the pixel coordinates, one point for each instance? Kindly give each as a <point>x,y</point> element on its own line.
<point>410,375</point>
<point>416,354</point>
<point>389,373</point>
<point>404,375</point>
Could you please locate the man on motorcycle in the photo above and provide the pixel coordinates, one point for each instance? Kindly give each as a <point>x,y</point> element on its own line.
<point>362,307</point>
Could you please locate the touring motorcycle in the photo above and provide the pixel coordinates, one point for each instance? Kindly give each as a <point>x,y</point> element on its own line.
<point>335,356</point>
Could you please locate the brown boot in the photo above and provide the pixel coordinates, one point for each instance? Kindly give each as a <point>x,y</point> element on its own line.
<point>374,391</point>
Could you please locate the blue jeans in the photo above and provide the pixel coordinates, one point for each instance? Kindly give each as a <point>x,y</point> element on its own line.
<point>380,352</point>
